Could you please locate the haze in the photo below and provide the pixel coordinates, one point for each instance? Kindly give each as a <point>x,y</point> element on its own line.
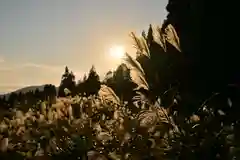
<point>39,38</point>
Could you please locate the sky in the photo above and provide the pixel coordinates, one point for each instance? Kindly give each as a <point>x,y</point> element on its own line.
<point>38,38</point>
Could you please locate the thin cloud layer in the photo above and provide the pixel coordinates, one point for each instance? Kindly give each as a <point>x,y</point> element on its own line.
<point>15,76</point>
<point>14,67</point>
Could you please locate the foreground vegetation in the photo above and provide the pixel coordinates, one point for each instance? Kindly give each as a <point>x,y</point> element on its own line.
<point>101,125</point>
<point>138,112</point>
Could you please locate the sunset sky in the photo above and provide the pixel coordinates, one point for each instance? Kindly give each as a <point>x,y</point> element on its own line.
<point>38,38</point>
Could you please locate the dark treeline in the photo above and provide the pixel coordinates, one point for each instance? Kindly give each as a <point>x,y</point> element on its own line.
<point>28,99</point>
<point>119,81</point>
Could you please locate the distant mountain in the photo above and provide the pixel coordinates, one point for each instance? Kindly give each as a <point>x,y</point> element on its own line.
<point>27,89</point>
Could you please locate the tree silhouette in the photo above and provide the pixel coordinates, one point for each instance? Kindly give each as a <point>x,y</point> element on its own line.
<point>38,94</point>
<point>68,81</point>
<point>209,76</point>
<point>3,102</point>
<point>120,81</point>
<point>209,65</point>
<point>49,93</point>
<point>12,99</point>
<point>31,100</point>
<point>93,82</point>
<point>81,85</point>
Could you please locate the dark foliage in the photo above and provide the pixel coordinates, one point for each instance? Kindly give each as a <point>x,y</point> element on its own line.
<point>121,82</point>
<point>68,81</point>
<point>92,83</point>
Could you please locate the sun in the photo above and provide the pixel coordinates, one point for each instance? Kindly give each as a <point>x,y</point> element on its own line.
<point>117,51</point>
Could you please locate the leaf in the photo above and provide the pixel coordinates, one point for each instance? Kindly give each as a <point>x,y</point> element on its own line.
<point>137,73</point>
<point>66,100</point>
<point>133,63</point>
<point>94,155</point>
<point>172,37</point>
<point>114,156</point>
<point>66,91</point>
<point>104,136</point>
<point>29,154</point>
<point>4,144</point>
<point>161,39</point>
<point>229,101</point>
<point>139,79</point>
<point>145,47</point>
<point>167,99</point>
<point>162,115</point>
<point>140,44</point>
<point>147,118</point>
<point>108,94</point>
<point>137,42</point>
<point>39,152</point>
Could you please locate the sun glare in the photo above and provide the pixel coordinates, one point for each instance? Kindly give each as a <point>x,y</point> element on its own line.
<point>117,52</point>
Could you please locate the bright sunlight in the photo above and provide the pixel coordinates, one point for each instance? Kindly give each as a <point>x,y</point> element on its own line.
<point>117,51</point>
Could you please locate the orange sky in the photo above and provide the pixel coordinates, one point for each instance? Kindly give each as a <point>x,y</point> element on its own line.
<point>38,38</point>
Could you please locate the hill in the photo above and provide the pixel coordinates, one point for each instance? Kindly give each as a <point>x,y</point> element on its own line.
<point>27,89</point>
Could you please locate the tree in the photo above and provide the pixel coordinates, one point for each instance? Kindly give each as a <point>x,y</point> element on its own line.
<point>31,100</point>
<point>19,97</point>
<point>49,93</point>
<point>3,102</point>
<point>205,78</point>
<point>12,99</point>
<point>37,94</point>
<point>81,85</point>
<point>93,83</point>
<point>120,81</point>
<point>108,77</point>
<point>68,81</point>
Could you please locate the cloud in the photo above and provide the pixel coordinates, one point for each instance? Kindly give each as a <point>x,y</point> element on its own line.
<point>17,67</point>
<point>43,66</point>
<point>77,73</point>
<point>6,68</point>
<point>16,76</point>
<point>9,87</point>
<point>13,85</point>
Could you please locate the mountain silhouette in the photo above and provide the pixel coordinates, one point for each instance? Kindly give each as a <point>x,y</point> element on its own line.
<point>26,89</point>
